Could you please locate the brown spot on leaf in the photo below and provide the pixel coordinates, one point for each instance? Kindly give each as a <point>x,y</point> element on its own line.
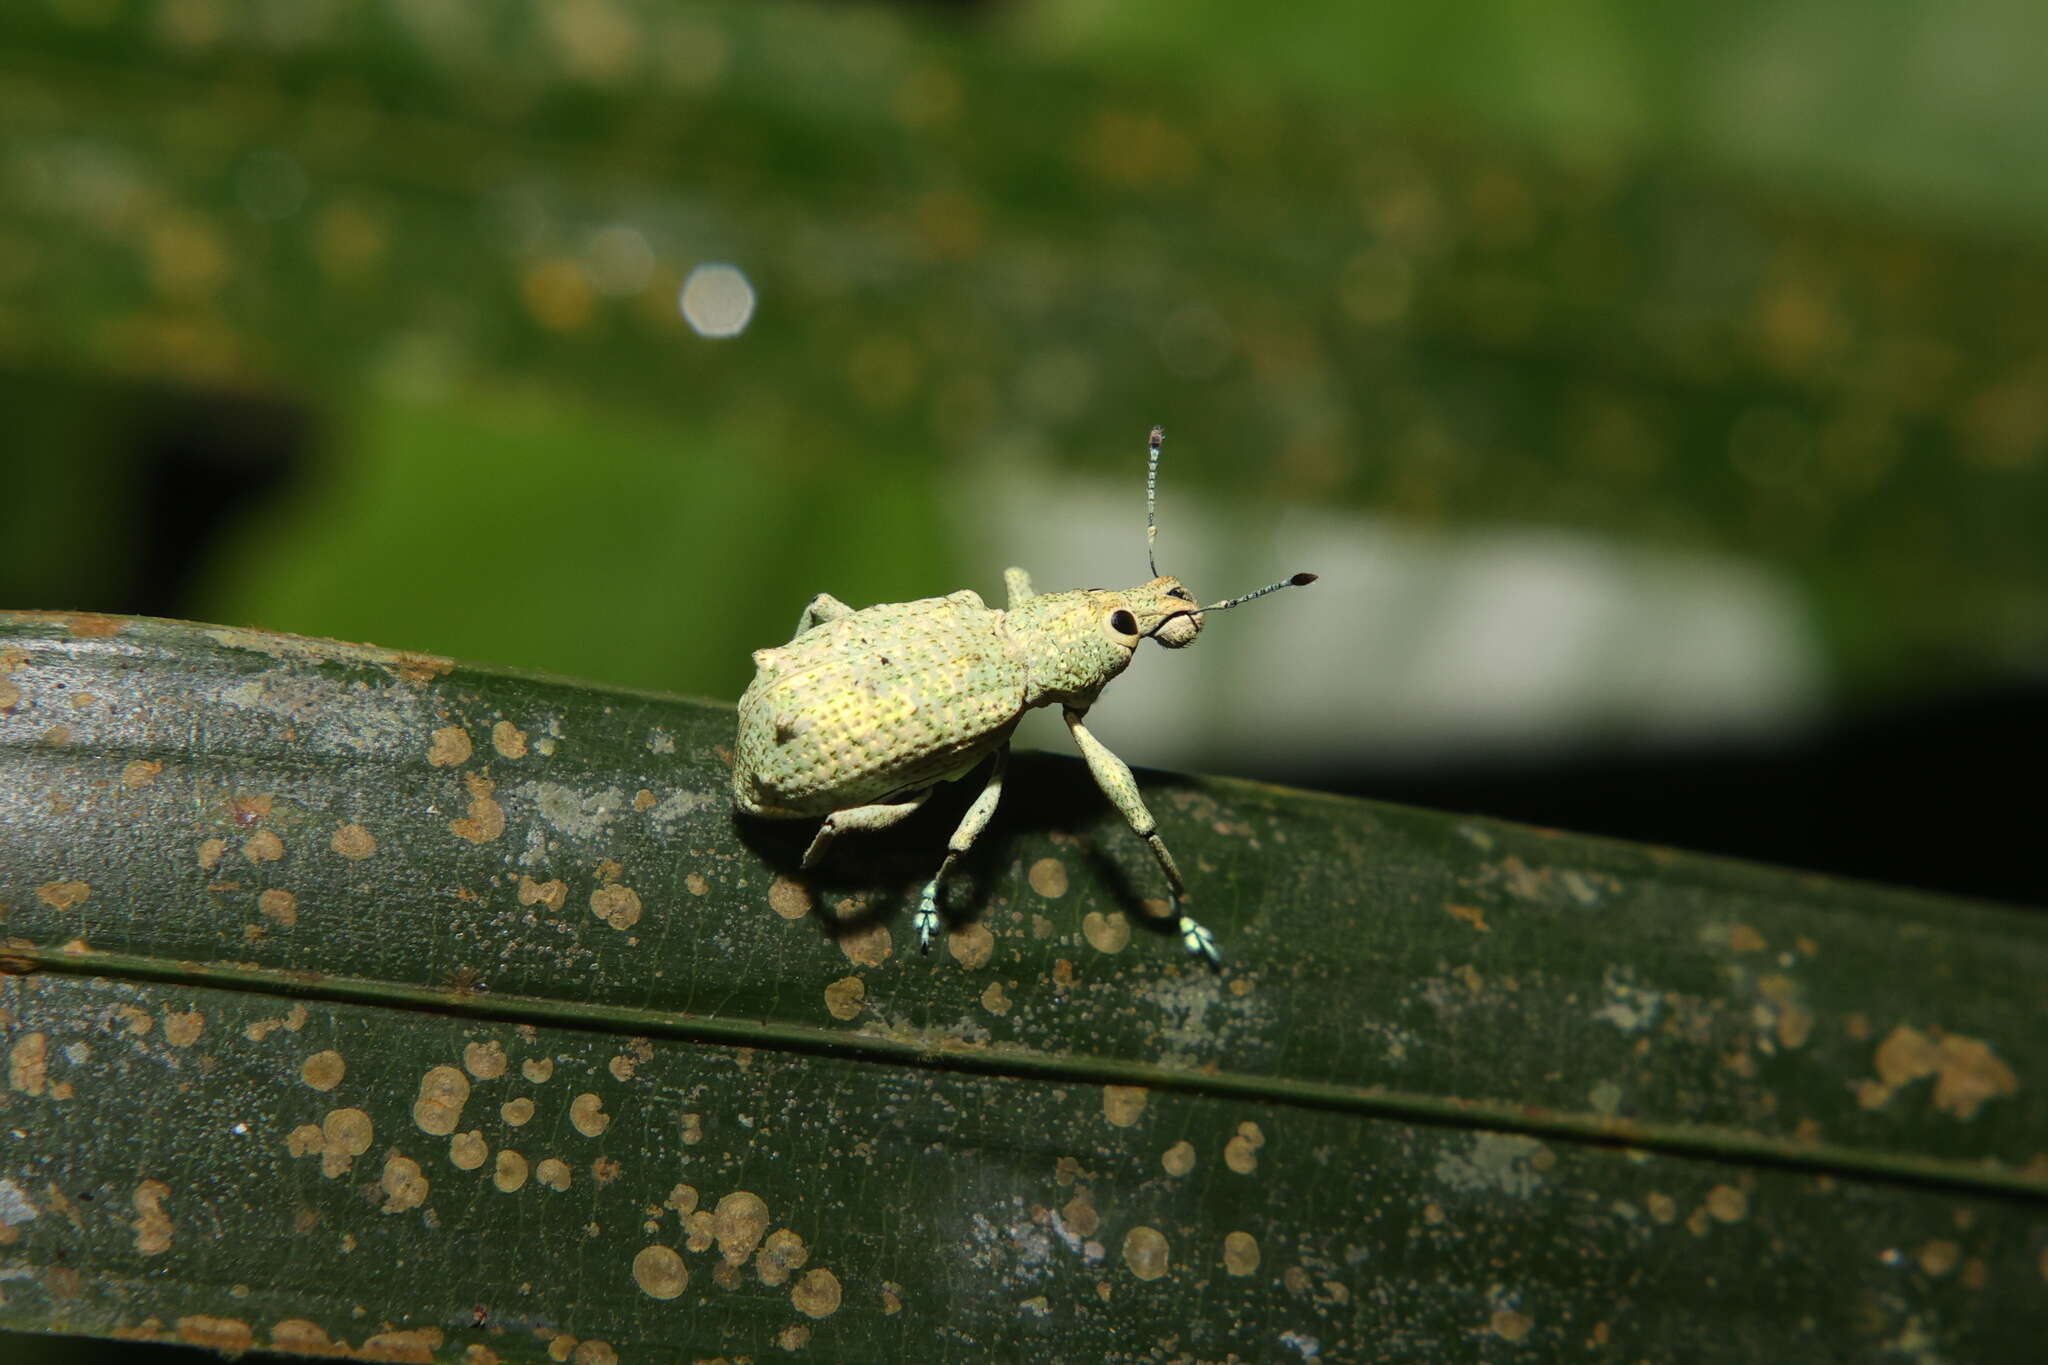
<point>782,1255</point>
<point>516,1112</point>
<point>1240,1253</point>
<point>1122,1104</point>
<point>323,1070</point>
<point>280,905</point>
<point>817,1294</point>
<point>618,906</point>
<point>660,1272</point>
<point>405,1187</point>
<point>485,1060</point>
<point>1080,1215</point>
<point>28,1063</point>
<point>141,772</point>
<point>738,1223</point>
<point>467,1151</point>
<point>789,899</point>
<point>1939,1256</point>
<point>1727,1204</point>
<point>1179,1158</point>
<point>553,894</point>
<point>508,739</point>
<point>486,818</point>
<point>1106,933</point>
<point>1743,939</point>
<point>1471,915</point>
<point>345,1134</point>
<point>1241,1153</point>
<point>1970,1074</point>
<point>229,1336</point>
<point>353,842</point>
<point>451,746</point>
<point>263,847</point>
<point>511,1171</point>
<point>971,944</point>
<point>1048,877</point>
<point>553,1173</point>
<point>443,1092</point>
<point>1146,1252</point>
<point>211,851</point>
<point>867,945</point>
<point>586,1112</point>
<point>1509,1325</point>
<point>845,997</point>
<point>64,895</point>
<point>537,1069</point>
<point>182,1029</point>
<point>152,1223</point>
<point>994,999</point>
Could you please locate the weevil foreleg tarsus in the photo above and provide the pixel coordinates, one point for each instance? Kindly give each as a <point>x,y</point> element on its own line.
<point>1113,775</point>
<point>820,609</point>
<point>880,815</point>
<point>970,828</point>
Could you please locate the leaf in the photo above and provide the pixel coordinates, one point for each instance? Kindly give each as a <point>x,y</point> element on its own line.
<point>366,1004</point>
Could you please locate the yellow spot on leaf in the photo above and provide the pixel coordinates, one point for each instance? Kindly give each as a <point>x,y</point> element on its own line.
<point>1240,1253</point>
<point>845,997</point>
<point>443,1092</point>
<point>971,944</point>
<point>64,895</point>
<point>486,819</point>
<point>141,772</point>
<point>1048,877</point>
<point>353,842</point>
<point>1106,933</point>
<point>323,1070</point>
<point>817,1294</point>
<point>485,1061</point>
<point>660,1272</point>
<point>1146,1252</point>
<point>586,1112</point>
<point>152,1223</point>
<point>451,746</point>
<point>738,1224</point>
<point>508,739</point>
<point>1122,1104</point>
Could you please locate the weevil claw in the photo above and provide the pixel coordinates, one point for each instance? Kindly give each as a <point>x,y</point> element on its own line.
<point>1199,941</point>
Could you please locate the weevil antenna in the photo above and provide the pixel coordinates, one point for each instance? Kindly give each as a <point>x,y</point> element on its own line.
<point>1152,444</point>
<point>1300,580</point>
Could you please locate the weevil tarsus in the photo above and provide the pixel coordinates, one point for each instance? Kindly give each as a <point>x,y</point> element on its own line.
<point>970,828</point>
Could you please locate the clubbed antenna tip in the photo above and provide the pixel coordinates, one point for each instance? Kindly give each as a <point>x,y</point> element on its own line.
<point>1157,438</point>
<point>1301,580</point>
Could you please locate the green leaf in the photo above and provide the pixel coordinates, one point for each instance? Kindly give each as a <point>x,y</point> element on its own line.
<point>362,1003</point>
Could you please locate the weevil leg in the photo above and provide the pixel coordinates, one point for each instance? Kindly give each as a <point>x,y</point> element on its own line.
<point>1113,775</point>
<point>1017,582</point>
<point>881,815</point>
<point>820,609</point>
<point>971,826</point>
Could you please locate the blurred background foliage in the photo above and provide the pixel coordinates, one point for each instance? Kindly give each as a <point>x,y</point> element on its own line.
<point>1662,391</point>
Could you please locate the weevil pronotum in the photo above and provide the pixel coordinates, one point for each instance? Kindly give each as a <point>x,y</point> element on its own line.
<point>862,713</point>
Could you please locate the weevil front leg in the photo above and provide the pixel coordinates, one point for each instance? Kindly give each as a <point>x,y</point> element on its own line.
<point>1113,775</point>
<point>880,815</point>
<point>820,609</point>
<point>971,826</point>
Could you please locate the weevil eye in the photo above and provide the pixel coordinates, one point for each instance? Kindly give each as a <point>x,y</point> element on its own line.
<point>1122,624</point>
<point>1182,593</point>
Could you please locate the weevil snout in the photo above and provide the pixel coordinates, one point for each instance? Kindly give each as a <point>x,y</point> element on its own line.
<point>1166,613</point>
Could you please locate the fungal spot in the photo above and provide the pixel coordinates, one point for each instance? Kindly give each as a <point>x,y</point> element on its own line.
<point>1048,877</point>
<point>28,1063</point>
<point>683,1199</point>
<point>553,894</point>
<point>553,1172</point>
<point>1122,1104</point>
<point>10,696</point>
<point>468,1150</point>
<point>451,746</point>
<point>1939,1256</point>
<point>1509,1325</point>
<point>486,818</point>
<point>1179,1158</point>
<point>183,1029</point>
<point>696,885</point>
<point>516,1112</point>
<point>660,1272</point>
<point>618,906</point>
<point>594,1352</point>
<point>1240,1253</point>
<point>323,1070</point>
<point>1145,1252</point>
<point>817,1294</point>
<point>537,1069</point>
<point>693,1129</point>
<point>586,1112</point>
<point>211,851</point>
<point>404,1185</point>
<point>345,1134</point>
<point>141,772</point>
<point>794,1337</point>
<point>782,1255</point>
<point>64,895</point>
<point>1241,1153</point>
<point>280,905</point>
<point>971,944</point>
<point>508,739</point>
<point>230,1336</point>
<point>1080,1216</point>
<point>994,1000</point>
<point>1106,933</point>
<point>1727,1204</point>
<point>867,945</point>
<point>845,997</point>
<point>738,1224</point>
<point>263,847</point>
<point>485,1061</point>
<point>1662,1207</point>
<point>511,1171</point>
<point>353,842</point>
<point>1471,915</point>
<point>443,1092</point>
<point>1967,1072</point>
<point>788,898</point>
<point>1743,939</point>
<point>152,1223</point>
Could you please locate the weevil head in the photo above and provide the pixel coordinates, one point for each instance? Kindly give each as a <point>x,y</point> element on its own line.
<point>1161,610</point>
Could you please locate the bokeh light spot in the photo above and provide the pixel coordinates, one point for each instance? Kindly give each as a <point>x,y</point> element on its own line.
<point>717,300</point>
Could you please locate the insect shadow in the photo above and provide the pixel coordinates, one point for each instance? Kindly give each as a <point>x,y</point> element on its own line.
<point>874,877</point>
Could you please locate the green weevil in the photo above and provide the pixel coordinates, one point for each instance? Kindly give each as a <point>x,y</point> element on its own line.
<point>862,713</point>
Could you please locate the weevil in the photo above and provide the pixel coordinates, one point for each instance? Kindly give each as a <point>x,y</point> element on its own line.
<point>864,712</point>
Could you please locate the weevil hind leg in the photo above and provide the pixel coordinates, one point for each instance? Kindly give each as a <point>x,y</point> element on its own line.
<point>1113,775</point>
<point>880,815</point>
<point>820,609</point>
<point>970,828</point>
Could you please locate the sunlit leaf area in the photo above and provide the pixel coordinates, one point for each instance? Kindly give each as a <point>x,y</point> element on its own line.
<point>1660,393</point>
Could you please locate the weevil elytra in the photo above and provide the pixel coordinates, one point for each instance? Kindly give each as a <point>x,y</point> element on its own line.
<point>863,712</point>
